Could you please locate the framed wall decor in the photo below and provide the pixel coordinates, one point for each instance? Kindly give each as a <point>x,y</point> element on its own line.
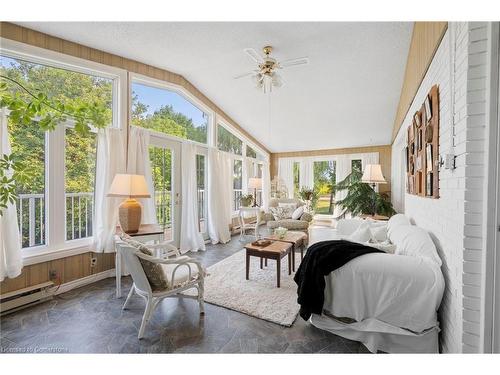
<point>422,149</point>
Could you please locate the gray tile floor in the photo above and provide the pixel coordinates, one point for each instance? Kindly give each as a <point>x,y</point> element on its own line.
<point>90,320</point>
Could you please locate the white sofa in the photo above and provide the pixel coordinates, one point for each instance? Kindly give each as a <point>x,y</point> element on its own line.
<point>388,302</point>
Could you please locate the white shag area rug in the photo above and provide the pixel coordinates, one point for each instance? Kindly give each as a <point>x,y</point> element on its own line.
<point>259,297</point>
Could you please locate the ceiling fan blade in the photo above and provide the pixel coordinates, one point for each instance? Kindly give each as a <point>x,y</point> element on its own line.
<point>254,55</point>
<point>243,75</point>
<point>294,62</point>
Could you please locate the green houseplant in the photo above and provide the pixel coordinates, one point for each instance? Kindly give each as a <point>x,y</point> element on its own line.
<point>359,197</point>
<point>246,200</point>
<point>310,196</point>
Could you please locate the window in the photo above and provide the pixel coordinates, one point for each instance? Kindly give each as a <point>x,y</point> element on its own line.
<point>237,183</point>
<point>356,165</point>
<point>30,145</point>
<point>202,202</point>
<point>80,159</point>
<point>161,170</point>
<point>251,153</point>
<point>227,141</point>
<point>296,179</point>
<point>167,112</point>
<point>324,179</point>
<point>259,191</point>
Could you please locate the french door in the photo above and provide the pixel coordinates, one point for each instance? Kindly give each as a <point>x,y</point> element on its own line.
<point>165,157</point>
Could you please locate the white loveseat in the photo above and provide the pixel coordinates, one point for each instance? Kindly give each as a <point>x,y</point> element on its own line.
<point>388,302</point>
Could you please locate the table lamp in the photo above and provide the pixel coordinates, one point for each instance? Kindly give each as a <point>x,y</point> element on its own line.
<point>255,183</point>
<point>373,176</point>
<point>130,186</point>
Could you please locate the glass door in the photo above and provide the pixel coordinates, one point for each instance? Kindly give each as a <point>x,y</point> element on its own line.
<point>165,156</point>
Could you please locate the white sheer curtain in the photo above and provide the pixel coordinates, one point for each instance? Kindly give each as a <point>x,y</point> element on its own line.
<point>342,170</point>
<point>306,173</point>
<point>11,261</point>
<point>110,161</point>
<point>248,172</point>
<point>139,163</point>
<point>219,195</point>
<point>266,185</point>
<point>285,173</point>
<point>191,238</point>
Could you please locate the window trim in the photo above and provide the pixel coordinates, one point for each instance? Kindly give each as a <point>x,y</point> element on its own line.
<point>55,230</point>
<point>179,90</point>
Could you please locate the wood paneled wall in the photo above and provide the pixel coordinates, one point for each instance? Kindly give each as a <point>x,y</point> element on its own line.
<point>425,40</point>
<point>384,159</point>
<point>38,39</point>
<point>67,269</point>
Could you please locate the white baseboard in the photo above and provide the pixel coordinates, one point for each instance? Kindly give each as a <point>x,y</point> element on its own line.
<point>83,281</point>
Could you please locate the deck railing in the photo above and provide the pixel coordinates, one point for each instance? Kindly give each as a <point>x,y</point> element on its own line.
<point>79,211</point>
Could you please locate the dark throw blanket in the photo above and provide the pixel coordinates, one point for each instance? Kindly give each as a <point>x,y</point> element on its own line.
<point>321,259</point>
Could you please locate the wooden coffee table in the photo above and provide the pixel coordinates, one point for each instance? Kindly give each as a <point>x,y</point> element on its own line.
<point>277,250</point>
<point>296,239</point>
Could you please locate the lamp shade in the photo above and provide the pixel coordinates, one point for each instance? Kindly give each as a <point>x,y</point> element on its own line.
<point>373,174</point>
<point>129,185</point>
<point>255,183</point>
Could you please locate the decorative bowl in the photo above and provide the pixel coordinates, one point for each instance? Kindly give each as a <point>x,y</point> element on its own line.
<point>280,232</point>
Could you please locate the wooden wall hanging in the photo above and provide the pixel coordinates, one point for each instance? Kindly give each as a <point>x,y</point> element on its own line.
<point>422,149</point>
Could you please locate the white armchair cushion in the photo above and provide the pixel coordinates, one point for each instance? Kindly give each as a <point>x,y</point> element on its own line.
<point>346,227</point>
<point>181,273</point>
<point>378,233</point>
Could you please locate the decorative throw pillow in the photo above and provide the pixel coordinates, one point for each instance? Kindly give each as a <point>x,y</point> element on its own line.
<point>378,233</point>
<point>278,213</point>
<point>288,209</point>
<point>361,235</point>
<point>298,213</point>
<point>154,271</point>
<point>416,242</point>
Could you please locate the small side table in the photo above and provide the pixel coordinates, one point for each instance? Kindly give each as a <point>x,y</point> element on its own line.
<point>374,217</point>
<point>276,250</point>
<point>255,211</point>
<point>147,232</point>
<point>296,239</point>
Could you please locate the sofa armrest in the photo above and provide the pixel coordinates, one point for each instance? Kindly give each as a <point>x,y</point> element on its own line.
<point>306,217</point>
<point>268,216</point>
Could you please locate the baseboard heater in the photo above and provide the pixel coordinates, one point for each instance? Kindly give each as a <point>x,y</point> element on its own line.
<point>22,298</point>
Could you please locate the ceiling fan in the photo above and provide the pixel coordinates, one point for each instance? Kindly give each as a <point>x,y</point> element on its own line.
<point>266,75</point>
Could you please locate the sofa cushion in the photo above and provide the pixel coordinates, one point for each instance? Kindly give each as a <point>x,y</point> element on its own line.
<point>288,224</point>
<point>362,234</point>
<point>346,227</point>
<point>414,241</point>
<point>278,213</point>
<point>395,221</point>
<point>181,274</point>
<point>378,233</point>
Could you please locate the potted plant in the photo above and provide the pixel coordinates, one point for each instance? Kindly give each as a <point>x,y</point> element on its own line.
<point>246,200</point>
<point>310,196</point>
<point>359,197</point>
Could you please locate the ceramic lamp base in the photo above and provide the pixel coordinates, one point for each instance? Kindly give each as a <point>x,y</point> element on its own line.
<point>130,215</point>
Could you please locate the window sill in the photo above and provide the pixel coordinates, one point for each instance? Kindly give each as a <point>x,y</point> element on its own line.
<point>44,254</point>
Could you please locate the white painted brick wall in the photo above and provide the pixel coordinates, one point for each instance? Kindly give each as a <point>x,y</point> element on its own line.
<point>455,219</point>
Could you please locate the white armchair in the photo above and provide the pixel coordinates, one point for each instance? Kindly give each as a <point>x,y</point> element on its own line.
<point>181,272</point>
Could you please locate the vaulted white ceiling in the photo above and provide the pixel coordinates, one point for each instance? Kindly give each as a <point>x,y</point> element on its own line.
<point>346,97</point>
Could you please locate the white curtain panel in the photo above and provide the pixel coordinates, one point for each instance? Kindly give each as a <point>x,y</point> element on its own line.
<point>342,170</point>
<point>248,172</point>
<point>306,173</point>
<point>266,185</point>
<point>139,163</point>
<point>191,238</point>
<point>11,261</point>
<point>285,173</point>
<point>219,195</point>
<point>110,161</point>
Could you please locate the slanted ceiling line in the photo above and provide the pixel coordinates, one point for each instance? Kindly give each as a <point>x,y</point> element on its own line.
<point>38,39</point>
